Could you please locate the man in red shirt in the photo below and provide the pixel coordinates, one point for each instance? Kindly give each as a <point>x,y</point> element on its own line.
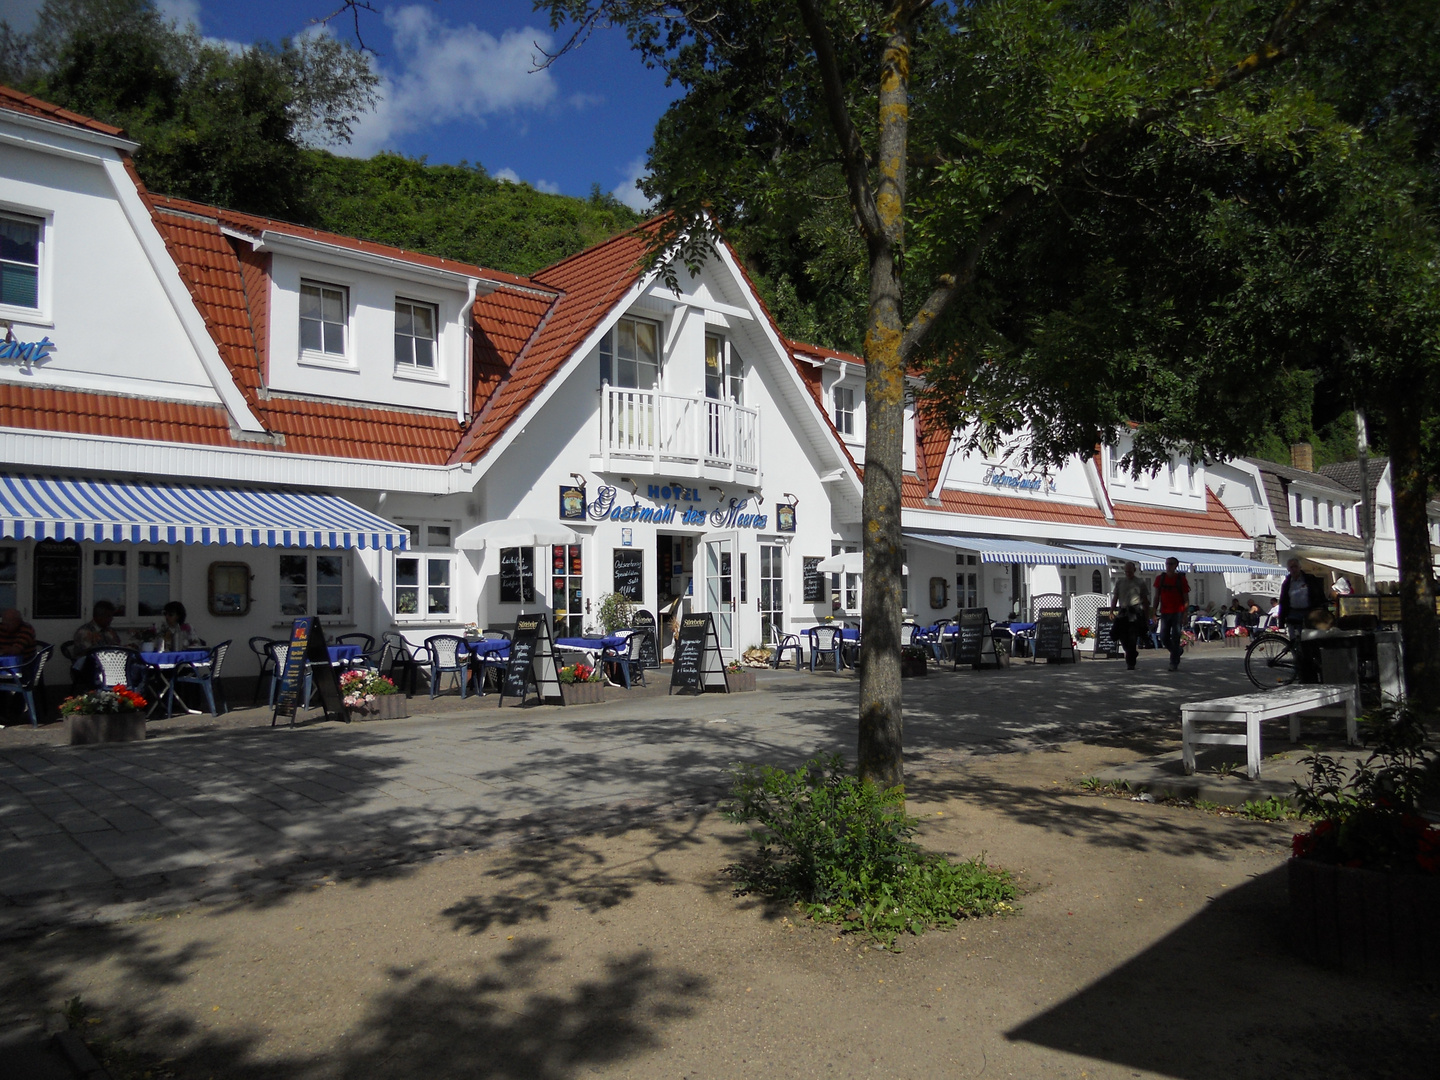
<point>1172,600</point>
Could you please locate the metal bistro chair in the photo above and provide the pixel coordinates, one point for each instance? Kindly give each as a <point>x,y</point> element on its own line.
<point>367,649</point>
<point>397,653</point>
<point>629,663</point>
<point>787,643</point>
<point>482,663</point>
<point>29,678</point>
<point>206,675</point>
<point>260,646</point>
<point>826,641</point>
<point>444,658</point>
<point>115,667</point>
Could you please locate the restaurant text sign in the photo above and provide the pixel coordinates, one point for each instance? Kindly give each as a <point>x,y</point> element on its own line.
<point>733,515</point>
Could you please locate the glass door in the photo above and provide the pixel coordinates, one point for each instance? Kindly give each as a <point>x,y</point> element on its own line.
<point>720,587</point>
<point>772,593</point>
<point>567,591</point>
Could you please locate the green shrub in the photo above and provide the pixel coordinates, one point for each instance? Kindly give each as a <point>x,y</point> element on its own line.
<point>614,612</point>
<point>841,849</point>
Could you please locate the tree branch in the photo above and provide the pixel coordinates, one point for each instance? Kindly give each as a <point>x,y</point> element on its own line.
<point>852,150</point>
<point>1273,50</point>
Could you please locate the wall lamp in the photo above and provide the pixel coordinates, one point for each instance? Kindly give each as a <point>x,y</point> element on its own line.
<point>759,499</point>
<point>578,478</point>
<point>794,499</point>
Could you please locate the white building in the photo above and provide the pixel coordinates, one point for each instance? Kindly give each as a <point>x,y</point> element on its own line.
<point>263,421</point>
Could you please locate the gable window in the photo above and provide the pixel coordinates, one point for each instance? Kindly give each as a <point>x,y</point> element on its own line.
<point>415,335</point>
<point>312,583</point>
<point>724,371</point>
<point>630,355</point>
<point>324,310</point>
<point>20,260</point>
<point>425,573</point>
<point>844,410</point>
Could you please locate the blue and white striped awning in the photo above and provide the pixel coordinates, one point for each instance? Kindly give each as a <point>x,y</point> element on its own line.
<point>995,550</point>
<point>135,512</point>
<point>1152,560</point>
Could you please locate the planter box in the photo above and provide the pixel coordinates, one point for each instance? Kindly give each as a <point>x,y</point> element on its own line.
<point>1366,921</point>
<point>741,682</point>
<point>913,666</point>
<point>582,693</point>
<point>384,707</point>
<point>84,728</point>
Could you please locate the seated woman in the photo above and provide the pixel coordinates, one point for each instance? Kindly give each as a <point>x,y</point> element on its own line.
<point>176,635</point>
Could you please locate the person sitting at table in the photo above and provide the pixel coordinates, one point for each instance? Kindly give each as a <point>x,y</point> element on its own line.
<point>95,634</point>
<point>17,637</point>
<point>175,635</point>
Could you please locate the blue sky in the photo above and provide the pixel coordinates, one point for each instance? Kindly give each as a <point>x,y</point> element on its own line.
<point>458,85</point>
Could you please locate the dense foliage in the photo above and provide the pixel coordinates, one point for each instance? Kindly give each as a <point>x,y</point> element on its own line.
<point>841,848</point>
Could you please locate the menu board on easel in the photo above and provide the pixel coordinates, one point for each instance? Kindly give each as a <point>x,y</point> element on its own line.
<point>532,663</point>
<point>1052,636</point>
<point>698,664</point>
<point>308,648</point>
<point>814,580</point>
<point>642,622</point>
<point>1105,643</point>
<point>973,643</point>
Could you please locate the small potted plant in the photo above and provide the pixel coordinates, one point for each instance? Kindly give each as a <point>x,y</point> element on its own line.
<point>582,684</point>
<point>1365,877</point>
<point>100,716</point>
<point>914,660</point>
<point>738,677</point>
<point>371,696</point>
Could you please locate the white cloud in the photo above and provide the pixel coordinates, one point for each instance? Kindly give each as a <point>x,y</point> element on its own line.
<point>628,190</point>
<point>450,73</point>
<point>510,176</point>
<point>182,13</point>
<point>547,187</point>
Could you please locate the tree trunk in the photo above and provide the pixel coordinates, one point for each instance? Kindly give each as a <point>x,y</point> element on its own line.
<point>881,743</point>
<point>1419,630</point>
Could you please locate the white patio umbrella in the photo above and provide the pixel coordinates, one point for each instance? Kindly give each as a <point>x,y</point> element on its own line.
<point>516,532</point>
<point>847,562</point>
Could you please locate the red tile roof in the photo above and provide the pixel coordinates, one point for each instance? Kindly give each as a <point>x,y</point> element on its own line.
<point>75,412</point>
<point>15,101</point>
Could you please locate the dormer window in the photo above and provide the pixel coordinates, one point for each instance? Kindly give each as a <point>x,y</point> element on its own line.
<point>844,409</point>
<point>20,261</point>
<point>414,336</point>
<point>724,371</point>
<point>324,311</point>
<point>630,355</point>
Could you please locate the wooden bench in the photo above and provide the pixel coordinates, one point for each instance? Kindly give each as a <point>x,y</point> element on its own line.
<point>1250,709</point>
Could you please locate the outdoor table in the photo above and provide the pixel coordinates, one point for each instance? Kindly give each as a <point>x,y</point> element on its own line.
<point>483,652</point>
<point>165,666</point>
<point>591,645</point>
<point>344,654</point>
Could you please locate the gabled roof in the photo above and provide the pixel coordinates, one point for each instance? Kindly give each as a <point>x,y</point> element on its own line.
<point>15,101</point>
<point>1321,479</point>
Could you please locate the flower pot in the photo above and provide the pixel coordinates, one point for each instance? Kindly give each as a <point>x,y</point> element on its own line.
<point>741,682</point>
<point>1366,921</point>
<point>84,728</point>
<point>582,693</point>
<point>384,707</point>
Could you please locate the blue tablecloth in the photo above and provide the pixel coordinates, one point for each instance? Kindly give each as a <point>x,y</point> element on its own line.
<point>591,644</point>
<point>174,659</point>
<point>11,663</point>
<point>1020,627</point>
<point>488,647</point>
<point>342,653</point>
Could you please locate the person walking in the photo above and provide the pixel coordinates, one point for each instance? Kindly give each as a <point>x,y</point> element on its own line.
<point>1131,601</point>
<point>1300,594</point>
<point>1172,600</point>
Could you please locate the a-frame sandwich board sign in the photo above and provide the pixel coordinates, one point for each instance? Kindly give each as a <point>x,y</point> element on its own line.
<point>1052,636</point>
<point>974,644</point>
<point>698,666</point>
<point>532,662</point>
<point>307,646</point>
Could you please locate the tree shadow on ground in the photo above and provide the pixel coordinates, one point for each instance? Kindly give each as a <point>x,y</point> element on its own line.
<point>1222,998</point>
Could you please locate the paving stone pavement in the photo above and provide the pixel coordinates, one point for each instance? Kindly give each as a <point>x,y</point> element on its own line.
<point>111,831</point>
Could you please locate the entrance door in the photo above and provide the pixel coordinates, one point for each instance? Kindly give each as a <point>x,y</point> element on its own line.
<point>720,587</point>
<point>772,593</point>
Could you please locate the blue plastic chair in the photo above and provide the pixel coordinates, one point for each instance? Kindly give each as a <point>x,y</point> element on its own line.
<point>787,643</point>
<point>444,652</point>
<point>29,678</point>
<point>206,676</point>
<point>629,663</point>
<point>826,640</point>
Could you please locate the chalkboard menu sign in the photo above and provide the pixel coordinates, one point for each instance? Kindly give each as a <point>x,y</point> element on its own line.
<point>308,649</point>
<point>972,637</point>
<point>630,573</point>
<point>1105,643</point>
<point>531,663</point>
<point>57,580</point>
<point>517,575</point>
<point>814,580</point>
<point>1052,635</point>
<point>642,622</point>
<point>698,664</point>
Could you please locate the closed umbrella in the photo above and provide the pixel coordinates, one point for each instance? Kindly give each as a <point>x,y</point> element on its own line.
<point>847,562</point>
<point>516,532</point>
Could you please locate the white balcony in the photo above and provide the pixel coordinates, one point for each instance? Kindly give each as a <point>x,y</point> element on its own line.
<point>697,435</point>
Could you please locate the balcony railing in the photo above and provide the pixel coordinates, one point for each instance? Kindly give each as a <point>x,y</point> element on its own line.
<point>668,429</point>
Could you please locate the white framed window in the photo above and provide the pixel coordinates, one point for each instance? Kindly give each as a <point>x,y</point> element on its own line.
<point>314,583</point>
<point>415,336</point>
<point>324,320</point>
<point>22,240</point>
<point>9,578</point>
<point>630,355</point>
<point>1174,477</point>
<point>1330,515</point>
<point>136,580</point>
<point>844,397</point>
<point>967,580</point>
<point>1297,510</point>
<point>1197,478</point>
<point>425,573</point>
<point>724,371</point>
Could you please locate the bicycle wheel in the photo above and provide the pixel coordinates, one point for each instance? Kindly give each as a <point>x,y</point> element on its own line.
<point>1270,661</point>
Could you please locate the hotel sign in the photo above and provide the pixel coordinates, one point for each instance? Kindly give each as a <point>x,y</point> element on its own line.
<point>735,514</point>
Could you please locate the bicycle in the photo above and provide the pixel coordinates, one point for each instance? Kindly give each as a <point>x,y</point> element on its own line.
<point>1271,660</point>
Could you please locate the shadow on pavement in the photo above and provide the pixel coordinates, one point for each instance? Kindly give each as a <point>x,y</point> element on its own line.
<point>1223,992</point>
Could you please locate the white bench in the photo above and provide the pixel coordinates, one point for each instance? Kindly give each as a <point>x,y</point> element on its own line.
<point>1250,709</point>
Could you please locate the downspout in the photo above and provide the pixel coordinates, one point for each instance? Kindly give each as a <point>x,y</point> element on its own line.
<point>467,364</point>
